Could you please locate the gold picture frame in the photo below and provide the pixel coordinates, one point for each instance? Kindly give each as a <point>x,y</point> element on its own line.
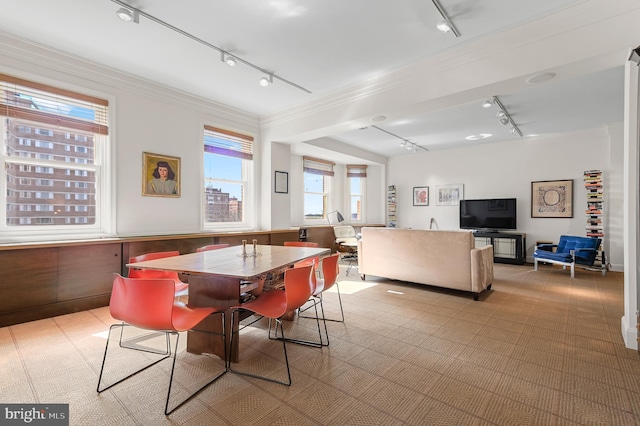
<point>552,198</point>
<point>160,175</point>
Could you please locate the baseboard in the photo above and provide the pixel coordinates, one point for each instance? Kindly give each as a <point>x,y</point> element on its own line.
<point>629,334</point>
<point>53,309</point>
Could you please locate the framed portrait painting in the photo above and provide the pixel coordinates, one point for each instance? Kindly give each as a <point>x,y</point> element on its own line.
<point>160,175</point>
<point>420,195</point>
<point>449,195</point>
<point>552,198</point>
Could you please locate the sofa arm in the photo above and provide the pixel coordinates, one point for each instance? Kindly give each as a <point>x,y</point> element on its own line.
<point>481,268</point>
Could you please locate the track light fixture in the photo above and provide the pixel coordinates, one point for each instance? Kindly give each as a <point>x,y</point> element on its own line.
<point>504,118</point>
<point>228,59</point>
<point>487,104</point>
<point>265,81</point>
<point>129,13</point>
<point>405,143</point>
<point>445,25</point>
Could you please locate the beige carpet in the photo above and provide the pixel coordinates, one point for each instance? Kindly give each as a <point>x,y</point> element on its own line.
<point>539,349</point>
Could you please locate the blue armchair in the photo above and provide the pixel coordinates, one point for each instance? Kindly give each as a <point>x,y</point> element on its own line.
<point>571,251</point>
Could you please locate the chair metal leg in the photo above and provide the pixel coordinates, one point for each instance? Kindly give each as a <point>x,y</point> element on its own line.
<point>329,319</point>
<point>123,344</point>
<point>104,359</point>
<point>216,377</point>
<point>171,352</point>
<point>255,376</point>
<point>318,344</point>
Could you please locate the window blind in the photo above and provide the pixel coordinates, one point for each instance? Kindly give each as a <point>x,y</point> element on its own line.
<point>356,170</point>
<point>225,142</point>
<point>50,105</point>
<point>317,167</point>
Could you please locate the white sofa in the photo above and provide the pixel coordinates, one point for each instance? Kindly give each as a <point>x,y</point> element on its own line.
<point>438,258</point>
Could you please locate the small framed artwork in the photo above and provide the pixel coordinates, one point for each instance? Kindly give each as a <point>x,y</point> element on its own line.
<point>552,198</point>
<point>160,175</point>
<point>449,195</point>
<point>282,183</point>
<point>420,195</point>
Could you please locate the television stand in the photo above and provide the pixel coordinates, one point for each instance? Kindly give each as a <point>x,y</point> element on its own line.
<point>508,247</point>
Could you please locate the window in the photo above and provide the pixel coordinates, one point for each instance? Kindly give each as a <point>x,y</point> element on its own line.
<point>61,117</point>
<point>228,179</point>
<point>317,182</point>
<point>44,144</point>
<point>356,175</point>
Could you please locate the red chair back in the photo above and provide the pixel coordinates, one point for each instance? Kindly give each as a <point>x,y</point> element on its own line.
<point>150,273</point>
<point>143,303</point>
<point>298,286</point>
<point>212,247</point>
<point>300,244</point>
<point>330,270</point>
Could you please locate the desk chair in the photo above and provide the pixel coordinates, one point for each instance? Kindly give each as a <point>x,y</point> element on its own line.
<point>347,242</point>
<point>149,304</point>
<point>273,305</point>
<point>182,288</point>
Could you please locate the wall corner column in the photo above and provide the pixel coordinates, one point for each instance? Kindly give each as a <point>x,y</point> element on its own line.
<point>631,209</point>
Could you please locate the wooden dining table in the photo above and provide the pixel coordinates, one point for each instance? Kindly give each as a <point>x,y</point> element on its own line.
<point>215,278</point>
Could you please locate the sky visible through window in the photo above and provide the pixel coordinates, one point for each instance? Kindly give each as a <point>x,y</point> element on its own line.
<point>224,168</point>
<point>313,199</point>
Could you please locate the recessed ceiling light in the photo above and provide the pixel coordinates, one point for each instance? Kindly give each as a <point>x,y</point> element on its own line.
<point>379,118</point>
<point>487,104</point>
<point>478,137</point>
<point>541,78</point>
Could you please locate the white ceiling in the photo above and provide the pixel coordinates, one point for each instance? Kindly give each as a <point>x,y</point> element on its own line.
<point>326,47</point>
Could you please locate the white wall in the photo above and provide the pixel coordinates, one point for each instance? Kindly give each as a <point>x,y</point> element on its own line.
<point>505,170</point>
<point>146,118</point>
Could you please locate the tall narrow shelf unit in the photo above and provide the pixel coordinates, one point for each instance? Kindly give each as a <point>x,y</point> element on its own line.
<point>594,212</point>
<point>595,196</point>
<point>392,206</point>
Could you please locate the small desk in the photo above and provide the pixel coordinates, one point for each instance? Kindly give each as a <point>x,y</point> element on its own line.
<point>214,280</point>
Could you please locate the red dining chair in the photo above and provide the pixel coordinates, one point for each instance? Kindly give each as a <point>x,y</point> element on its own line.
<point>212,247</point>
<point>182,288</point>
<point>149,303</point>
<point>273,305</point>
<point>330,272</point>
<point>310,261</point>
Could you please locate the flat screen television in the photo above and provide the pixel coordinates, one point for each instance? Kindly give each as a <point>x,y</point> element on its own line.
<point>488,214</point>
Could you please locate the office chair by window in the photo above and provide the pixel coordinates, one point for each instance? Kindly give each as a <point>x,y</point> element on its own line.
<point>347,243</point>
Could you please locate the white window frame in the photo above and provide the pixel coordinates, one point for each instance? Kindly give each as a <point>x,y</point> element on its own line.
<point>247,181</point>
<point>322,168</point>
<point>101,165</point>
<point>356,171</point>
